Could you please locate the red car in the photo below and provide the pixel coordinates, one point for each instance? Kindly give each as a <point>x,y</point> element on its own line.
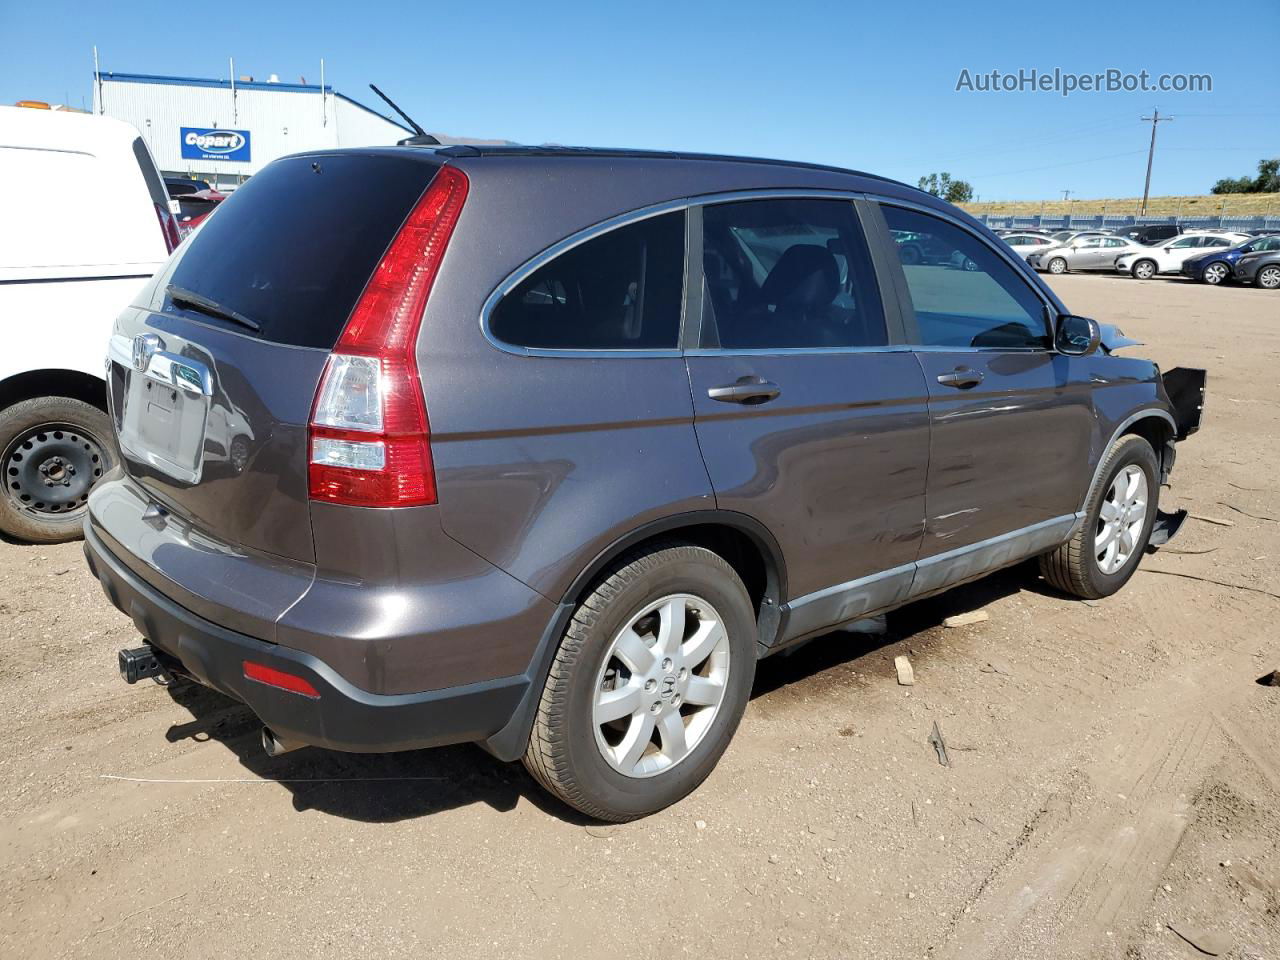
<point>194,207</point>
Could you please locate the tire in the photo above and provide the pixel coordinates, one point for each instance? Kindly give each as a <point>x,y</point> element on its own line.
<point>1215,273</point>
<point>1074,567</point>
<point>910,254</point>
<point>567,749</point>
<point>1145,269</point>
<point>1269,277</point>
<point>1057,265</point>
<point>52,451</point>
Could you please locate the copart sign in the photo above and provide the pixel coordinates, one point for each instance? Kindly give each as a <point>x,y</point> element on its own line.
<point>199,143</point>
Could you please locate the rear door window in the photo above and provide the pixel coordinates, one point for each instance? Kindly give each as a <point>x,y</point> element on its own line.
<point>295,245</point>
<point>965,295</point>
<point>788,274</point>
<point>621,290</point>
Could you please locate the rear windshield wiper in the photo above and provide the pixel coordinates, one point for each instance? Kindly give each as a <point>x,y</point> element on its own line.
<point>203,304</point>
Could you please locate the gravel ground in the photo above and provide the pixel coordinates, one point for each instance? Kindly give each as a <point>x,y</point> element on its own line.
<point>1115,770</point>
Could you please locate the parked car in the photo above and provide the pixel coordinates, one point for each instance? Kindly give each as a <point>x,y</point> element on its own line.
<point>1260,267</point>
<point>1065,236</point>
<point>1169,257</point>
<point>1150,234</point>
<point>1216,267</point>
<point>529,531</point>
<point>1085,252</point>
<point>193,208</point>
<point>183,186</point>
<point>64,276</point>
<point>1025,244</point>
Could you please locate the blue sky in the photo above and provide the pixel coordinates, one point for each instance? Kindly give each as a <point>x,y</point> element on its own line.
<point>869,86</point>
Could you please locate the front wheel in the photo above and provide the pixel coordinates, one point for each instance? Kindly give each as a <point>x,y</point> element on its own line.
<point>1215,273</point>
<point>1057,265</point>
<point>1119,514</point>
<point>1144,269</point>
<point>52,451</point>
<point>648,686</point>
<point>1269,278</point>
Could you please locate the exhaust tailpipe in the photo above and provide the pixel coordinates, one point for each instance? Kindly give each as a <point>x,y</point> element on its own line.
<point>275,745</point>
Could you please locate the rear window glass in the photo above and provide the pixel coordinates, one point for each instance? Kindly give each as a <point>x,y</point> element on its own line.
<point>622,290</point>
<point>294,247</point>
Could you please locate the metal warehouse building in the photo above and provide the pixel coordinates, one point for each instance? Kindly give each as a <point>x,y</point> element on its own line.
<point>225,130</point>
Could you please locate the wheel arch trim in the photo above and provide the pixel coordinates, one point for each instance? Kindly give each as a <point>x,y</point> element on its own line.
<point>1147,413</point>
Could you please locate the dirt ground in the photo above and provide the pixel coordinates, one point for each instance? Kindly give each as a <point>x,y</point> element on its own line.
<point>1114,768</point>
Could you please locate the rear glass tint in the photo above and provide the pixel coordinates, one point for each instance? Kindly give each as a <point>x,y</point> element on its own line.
<point>293,248</point>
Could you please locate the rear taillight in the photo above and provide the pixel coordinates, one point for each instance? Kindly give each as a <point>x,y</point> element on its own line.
<point>168,227</point>
<point>369,436</point>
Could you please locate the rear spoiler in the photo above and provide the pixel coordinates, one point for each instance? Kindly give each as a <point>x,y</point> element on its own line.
<point>1185,388</point>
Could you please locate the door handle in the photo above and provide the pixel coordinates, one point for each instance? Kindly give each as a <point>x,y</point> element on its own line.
<point>748,390</point>
<point>960,379</point>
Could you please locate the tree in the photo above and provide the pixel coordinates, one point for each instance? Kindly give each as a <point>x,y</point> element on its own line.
<point>1267,180</point>
<point>941,185</point>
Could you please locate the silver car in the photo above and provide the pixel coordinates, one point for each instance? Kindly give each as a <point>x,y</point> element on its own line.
<point>1083,253</point>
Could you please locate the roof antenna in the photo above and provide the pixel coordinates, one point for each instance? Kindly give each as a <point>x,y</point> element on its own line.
<point>422,138</point>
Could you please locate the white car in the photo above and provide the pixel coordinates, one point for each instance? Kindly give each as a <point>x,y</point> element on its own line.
<point>1086,252</point>
<point>1026,244</point>
<point>1168,257</point>
<point>86,222</point>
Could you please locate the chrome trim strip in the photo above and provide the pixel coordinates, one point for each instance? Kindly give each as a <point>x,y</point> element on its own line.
<point>850,585</point>
<point>1125,424</point>
<point>995,541</point>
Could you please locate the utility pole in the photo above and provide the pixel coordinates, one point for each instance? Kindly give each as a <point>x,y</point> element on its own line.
<point>1154,120</point>
<point>1066,194</point>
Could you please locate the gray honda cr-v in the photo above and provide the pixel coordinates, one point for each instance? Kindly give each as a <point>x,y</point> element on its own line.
<point>544,448</point>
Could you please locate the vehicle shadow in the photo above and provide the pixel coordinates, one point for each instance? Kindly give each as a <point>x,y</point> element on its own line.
<point>384,788</point>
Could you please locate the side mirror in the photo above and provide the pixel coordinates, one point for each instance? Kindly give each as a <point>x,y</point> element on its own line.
<point>1076,336</point>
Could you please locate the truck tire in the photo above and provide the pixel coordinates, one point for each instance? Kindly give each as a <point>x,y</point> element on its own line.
<point>1119,514</point>
<point>52,451</point>
<point>648,686</point>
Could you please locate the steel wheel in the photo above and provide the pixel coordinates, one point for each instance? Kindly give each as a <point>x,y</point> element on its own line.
<point>49,469</point>
<point>661,685</point>
<point>1057,265</point>
<point>1269,278</point>
<point>1215,273</point>
<point>1144,269</point>
<point>1121,519</point>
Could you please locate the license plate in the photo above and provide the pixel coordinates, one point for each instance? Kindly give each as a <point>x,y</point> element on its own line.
<point>166,408</point>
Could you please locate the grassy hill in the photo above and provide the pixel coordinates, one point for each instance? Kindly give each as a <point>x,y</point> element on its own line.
<point>1237,205</point>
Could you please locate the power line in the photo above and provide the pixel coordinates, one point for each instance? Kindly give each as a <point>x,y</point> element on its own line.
<point>1054,166</point>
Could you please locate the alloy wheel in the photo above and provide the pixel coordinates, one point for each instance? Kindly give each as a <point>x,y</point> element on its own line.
<point>1121,518</point>
<point>1215,273</point>
<point>1057,265</point>
<point>661,685</point>
<point>1144,269</point>
<point>1269,278</point>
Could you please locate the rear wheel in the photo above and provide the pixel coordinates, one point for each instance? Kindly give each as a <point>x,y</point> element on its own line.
<point>52,451</point>
<point>1144,269</point>
<point>1119,515</point>
<point>648,686</point>
<point>1269,278</point>
<point>1215,273</point>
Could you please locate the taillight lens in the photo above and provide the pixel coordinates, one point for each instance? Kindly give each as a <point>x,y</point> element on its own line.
<point>168,227</point>
<point>369,435</point>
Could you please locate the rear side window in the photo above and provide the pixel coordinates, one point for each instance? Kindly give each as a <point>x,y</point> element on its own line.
<point>963,293</point>
<point>293,248</point>
<point>788,274</point>
<point>621,290</point>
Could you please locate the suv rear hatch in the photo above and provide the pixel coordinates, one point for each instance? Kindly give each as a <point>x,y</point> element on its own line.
<point>214,375</point>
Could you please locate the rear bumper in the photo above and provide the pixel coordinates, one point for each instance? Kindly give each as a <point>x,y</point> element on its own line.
<point>342,717</point>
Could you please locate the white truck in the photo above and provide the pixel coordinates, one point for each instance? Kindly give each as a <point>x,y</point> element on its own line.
<point>84,223</point>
